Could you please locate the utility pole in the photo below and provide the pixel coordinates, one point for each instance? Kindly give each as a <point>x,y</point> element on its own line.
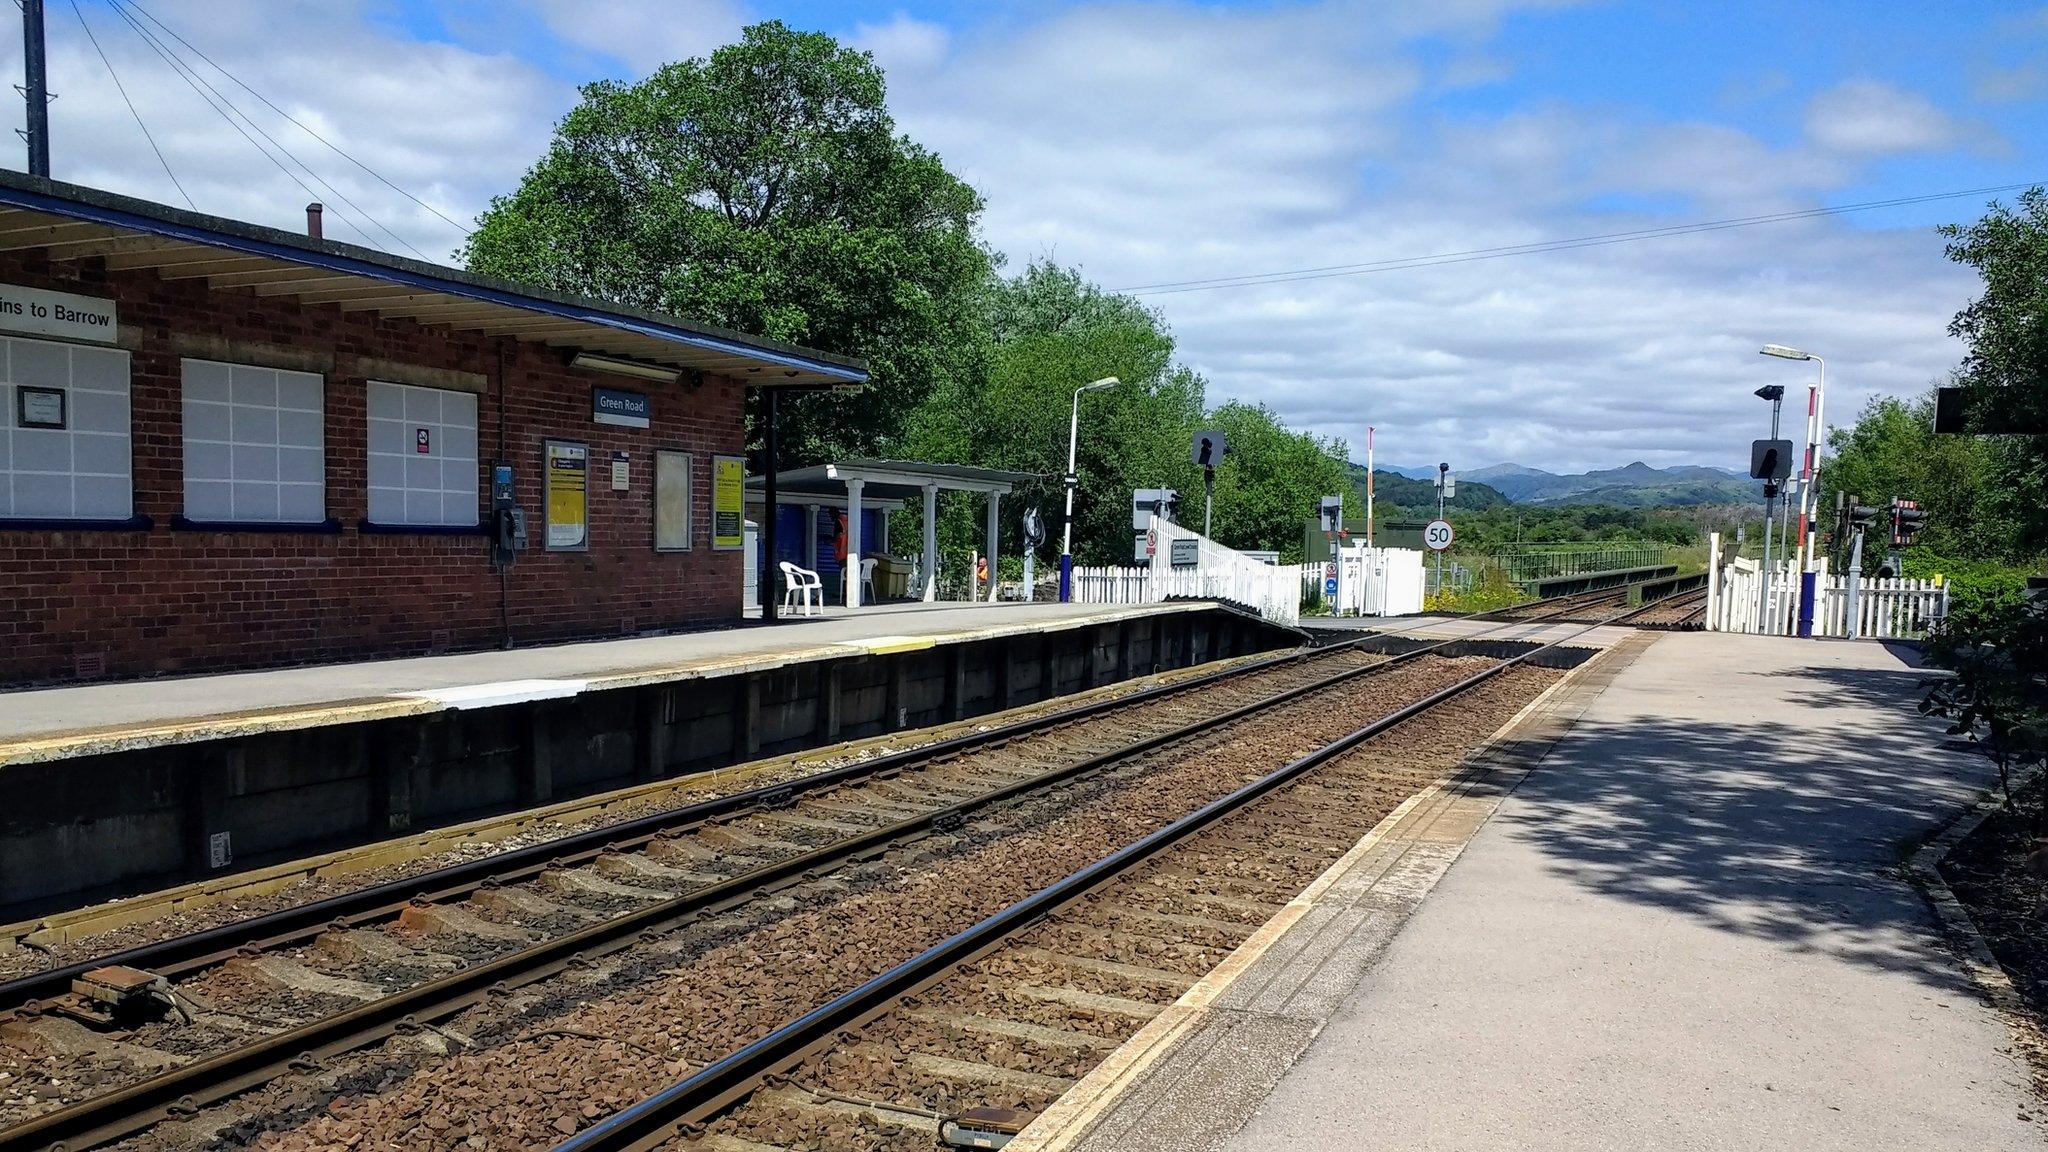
<point>36,88</point>
<point>1443,473</point>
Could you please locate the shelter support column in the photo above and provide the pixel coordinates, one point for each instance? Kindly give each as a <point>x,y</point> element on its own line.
<point>850,573</point>
<point>931,543</point>
<point>994,522</point>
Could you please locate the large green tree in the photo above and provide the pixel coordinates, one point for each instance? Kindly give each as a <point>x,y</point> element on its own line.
<point>1892,452</point>
<point>763,188</point>
<point>1272,481</point>
<point>2005,331</point>
<point>1051,330</point>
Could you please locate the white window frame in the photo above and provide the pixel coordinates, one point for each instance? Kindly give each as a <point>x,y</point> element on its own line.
<point>256,432</point>
<point>402,440</point>
<point>106,392</point>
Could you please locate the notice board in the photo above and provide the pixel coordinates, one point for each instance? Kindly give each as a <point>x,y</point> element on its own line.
<point>728,502</point>
<point>567,475</point>
<point>672,501</point>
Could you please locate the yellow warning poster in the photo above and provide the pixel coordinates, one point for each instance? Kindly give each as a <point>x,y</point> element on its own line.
<point>728,502</point>
<point>568,497</point>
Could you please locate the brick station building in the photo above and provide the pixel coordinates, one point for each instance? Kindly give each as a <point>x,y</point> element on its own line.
<point>225,446</point>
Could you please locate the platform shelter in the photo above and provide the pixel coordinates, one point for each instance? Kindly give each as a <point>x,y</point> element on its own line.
<point>869,490</point>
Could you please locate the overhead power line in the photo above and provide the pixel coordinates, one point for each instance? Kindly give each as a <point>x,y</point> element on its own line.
<point>230,112</point>
<point>301,125</point>
<point>1397,264</point>
<point>123,90</point>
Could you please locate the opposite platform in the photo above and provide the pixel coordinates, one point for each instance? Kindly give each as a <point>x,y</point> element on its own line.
<point>111,789</point>
<point>52,723</point>
<point>1685,928</point>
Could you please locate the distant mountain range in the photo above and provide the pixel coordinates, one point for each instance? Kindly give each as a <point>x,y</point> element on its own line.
<point>1634,485</point>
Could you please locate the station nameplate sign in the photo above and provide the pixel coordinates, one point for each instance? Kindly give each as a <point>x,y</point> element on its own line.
<point>1184,553</point>
<point>617,406</point>
<point>41,312</point>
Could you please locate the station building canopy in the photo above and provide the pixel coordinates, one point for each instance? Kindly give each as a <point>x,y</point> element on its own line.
<point>69,222</point>
<point>892,479</point>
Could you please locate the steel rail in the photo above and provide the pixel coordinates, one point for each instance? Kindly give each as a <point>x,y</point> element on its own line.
<point>183,954</point>
<point>723,1083</point>
<point>138,1106</point>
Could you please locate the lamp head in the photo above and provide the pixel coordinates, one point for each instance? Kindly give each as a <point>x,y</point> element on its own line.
<point>1784,353</point>
<point>1098,385</point>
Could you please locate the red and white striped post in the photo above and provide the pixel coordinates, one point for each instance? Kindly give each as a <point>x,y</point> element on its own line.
<point>1368,485</point>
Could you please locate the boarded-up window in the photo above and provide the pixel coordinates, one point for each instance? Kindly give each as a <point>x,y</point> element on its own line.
<point>255,444</point>
<point>64,442</point>
<point>423,468</point>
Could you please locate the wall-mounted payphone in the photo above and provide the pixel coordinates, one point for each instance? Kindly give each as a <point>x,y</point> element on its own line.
<point>508,519</point>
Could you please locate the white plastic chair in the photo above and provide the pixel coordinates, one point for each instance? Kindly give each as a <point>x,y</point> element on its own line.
<point>801,584</point>
<point>867,579</point>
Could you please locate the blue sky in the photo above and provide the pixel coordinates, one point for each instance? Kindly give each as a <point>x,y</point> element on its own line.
<point>1153,142</point>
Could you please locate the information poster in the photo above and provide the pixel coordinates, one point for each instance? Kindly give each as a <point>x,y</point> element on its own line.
<point>728,502</point>
<point>568,497</point>
<point>671,501</point>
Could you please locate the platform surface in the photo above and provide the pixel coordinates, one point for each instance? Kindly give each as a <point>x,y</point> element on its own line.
<point>1684,928</point>
<point>78,720</point>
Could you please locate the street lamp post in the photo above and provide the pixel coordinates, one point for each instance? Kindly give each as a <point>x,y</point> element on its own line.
<point>1814,392</point>
<point>1074,480</point>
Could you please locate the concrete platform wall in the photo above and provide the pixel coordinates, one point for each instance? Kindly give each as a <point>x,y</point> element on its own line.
<point>103,825</point>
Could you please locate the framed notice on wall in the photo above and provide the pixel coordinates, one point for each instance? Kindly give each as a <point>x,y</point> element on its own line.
<point>672,501</point>
<point>728,502</point>
<point>566,474</point>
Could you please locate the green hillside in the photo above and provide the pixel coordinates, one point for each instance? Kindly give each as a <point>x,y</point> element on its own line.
<point>1419,496</point>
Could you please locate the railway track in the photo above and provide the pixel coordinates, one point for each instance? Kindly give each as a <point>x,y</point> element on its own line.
<point>1558,609</point>
<point>1684,611</point>
<point>165,1030</point>
<point>963,1044</point>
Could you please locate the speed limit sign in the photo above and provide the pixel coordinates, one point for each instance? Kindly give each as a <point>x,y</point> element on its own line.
<point>1437,534</point>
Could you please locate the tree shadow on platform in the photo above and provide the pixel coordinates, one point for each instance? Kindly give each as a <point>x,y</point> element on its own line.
<point>1762,829</point>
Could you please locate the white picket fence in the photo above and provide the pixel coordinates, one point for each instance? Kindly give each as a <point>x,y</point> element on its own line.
<point>1886,608</point>
<point>1370,582</point>
<point>1219,574</point>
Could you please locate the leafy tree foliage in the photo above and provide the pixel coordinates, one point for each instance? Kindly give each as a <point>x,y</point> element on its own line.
<point>1892,452</point>
<point>1272,480</point>
<point>765,189</point>
<point>1050,331</point>
<point>2006,333</point>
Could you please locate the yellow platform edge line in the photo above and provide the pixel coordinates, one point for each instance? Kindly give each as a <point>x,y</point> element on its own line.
<point>1075,1115</point>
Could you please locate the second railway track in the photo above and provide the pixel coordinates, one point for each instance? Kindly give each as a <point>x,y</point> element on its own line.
<point>174,1028</point>
<point>966,1042</point>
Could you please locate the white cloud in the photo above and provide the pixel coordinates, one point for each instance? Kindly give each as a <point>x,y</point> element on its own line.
<point>1151,142</point>
<point>2005,85</point>
<point>644,34</point>
<point>1871,118</point>
<point>449,125</point>
<point>903,43</point>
